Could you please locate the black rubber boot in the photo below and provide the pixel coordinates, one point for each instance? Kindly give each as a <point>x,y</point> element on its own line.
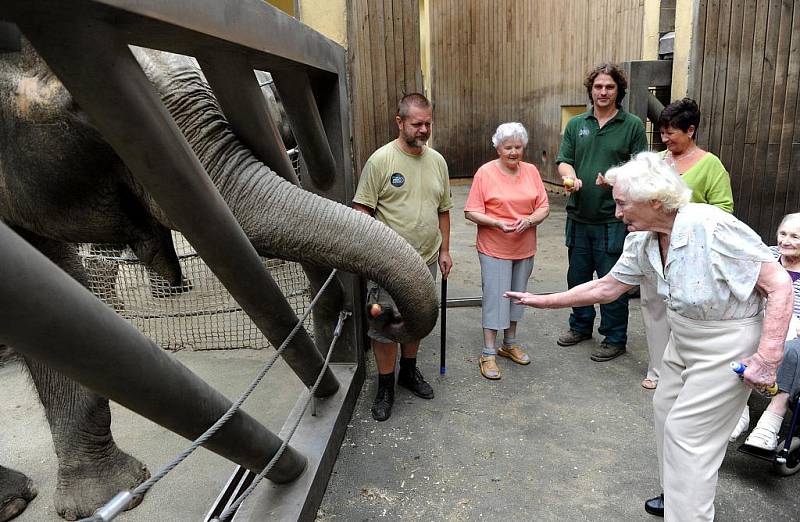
<point>384,399</point>
<point>411,378</point>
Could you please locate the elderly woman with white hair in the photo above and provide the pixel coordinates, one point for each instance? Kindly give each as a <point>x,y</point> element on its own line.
<point>765,435</point>
<point>507,201</point>
<point>715,272</point>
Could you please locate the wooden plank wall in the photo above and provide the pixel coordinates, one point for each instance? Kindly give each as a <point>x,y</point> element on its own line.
<point>519,60</point>
<point>384,59</point>
<point>746,78</point>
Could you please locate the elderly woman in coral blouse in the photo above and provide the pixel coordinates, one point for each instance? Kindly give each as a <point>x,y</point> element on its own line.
<point>507,201</point>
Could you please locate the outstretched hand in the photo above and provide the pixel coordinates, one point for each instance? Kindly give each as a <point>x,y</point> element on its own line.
<point>525,298</point>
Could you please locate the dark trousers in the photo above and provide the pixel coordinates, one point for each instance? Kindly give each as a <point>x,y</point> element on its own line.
<point>595,249</point>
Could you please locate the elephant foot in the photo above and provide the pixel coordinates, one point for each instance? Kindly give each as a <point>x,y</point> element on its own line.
<point>85,487</point>
<point>16,492</point>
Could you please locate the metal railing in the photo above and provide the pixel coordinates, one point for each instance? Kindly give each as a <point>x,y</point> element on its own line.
<point>86,44</point>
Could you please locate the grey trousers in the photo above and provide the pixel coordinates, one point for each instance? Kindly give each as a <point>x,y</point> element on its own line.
<point>499,276</point>
<point>789,370</point>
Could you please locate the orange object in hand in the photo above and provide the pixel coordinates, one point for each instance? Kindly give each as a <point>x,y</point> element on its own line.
<point>375,310</point>
<point>569,182</point>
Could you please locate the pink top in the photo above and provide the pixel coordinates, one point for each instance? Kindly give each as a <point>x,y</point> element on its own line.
<point>507,198</point>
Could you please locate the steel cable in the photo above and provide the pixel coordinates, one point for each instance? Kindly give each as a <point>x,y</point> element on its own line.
<point>118,504</point>
<point>230,510</point>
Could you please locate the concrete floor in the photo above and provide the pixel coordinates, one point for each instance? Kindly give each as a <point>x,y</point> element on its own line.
<point>186,493</point>
<point>564,438</point>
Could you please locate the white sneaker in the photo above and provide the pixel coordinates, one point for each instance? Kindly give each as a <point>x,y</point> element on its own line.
<point>762,438</point>
<point>741,425</point>
<point>765,435</point>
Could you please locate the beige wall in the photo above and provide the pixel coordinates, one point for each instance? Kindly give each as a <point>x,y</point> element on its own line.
<point>652,13</point>
<point>425,45</point>
<point>686,11</point>
<point>287,6</point>
<point>329,17</point>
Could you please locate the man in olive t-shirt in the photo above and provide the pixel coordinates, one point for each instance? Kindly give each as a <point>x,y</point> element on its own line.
<point>593,142</point>
<point>405,185</point>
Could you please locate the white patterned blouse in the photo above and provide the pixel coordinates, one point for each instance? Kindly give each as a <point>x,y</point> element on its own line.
<point>713,263</point>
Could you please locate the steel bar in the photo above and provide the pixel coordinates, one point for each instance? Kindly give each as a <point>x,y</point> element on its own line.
<point>48,316</point>
<point>462,302</point>
<point>273,38</point>
<point>318,438</point>
<point>107,82</point>
<point>458,302</point>
<point>301,106</point>
<point>9,38</point>
<point>654,108</point>
<point>234,83</point>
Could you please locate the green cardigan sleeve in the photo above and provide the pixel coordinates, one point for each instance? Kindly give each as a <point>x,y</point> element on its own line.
<point>715,184</point>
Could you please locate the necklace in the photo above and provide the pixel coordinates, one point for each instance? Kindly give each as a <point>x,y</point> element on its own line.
<point>672,160</point>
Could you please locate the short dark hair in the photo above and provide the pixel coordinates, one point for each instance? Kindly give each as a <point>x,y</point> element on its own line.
<point>617,74</point>
<point>680,114</point>
<point>413,99</point>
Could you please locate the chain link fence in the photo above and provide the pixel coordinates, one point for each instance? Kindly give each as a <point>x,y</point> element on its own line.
<point>198,315</point>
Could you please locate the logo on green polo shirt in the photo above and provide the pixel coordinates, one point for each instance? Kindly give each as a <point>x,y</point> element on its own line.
<point>583,132</point>
<point>397,179</point>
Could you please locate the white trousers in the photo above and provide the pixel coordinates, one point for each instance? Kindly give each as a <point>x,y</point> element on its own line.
<point>656,329</point>
<point>696,405</point>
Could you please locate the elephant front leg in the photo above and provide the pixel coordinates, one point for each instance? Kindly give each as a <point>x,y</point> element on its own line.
<point>91,468</point>
<point>16,492</point>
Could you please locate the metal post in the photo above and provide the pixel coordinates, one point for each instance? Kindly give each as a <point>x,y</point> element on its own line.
<point>301,107</point>
<point>234,83</point>
<point>50,317</point>
<point>109,85</point>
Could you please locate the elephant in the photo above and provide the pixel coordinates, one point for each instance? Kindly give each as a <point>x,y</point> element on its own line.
<point>62,184</point>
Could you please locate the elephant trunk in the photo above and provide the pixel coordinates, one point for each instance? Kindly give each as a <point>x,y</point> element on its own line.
<point>294,224</point>
<point>286,221</point>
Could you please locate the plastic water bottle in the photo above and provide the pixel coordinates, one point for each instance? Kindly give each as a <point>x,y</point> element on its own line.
<point>738,368</point>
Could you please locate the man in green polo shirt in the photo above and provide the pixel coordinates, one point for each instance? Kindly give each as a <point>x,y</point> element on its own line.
<point>406,186</point>
<point>593,142</point>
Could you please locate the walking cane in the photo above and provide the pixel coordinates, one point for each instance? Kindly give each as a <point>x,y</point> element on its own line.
<point>443,336</point>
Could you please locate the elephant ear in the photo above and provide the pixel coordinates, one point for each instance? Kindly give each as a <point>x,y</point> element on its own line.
<point>37,96</point>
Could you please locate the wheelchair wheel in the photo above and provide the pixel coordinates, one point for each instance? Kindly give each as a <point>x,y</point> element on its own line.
<point>784,469</point>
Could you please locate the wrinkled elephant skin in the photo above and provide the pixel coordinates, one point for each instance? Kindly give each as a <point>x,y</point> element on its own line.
<point>60,184</point>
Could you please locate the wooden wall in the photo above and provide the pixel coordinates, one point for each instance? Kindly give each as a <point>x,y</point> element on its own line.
<point>384,58</point>
<point>519,60</point>
<point>746,60</point>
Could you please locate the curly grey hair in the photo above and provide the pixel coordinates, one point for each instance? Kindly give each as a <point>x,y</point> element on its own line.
<point>510,131</point>
<point>648,178</point>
